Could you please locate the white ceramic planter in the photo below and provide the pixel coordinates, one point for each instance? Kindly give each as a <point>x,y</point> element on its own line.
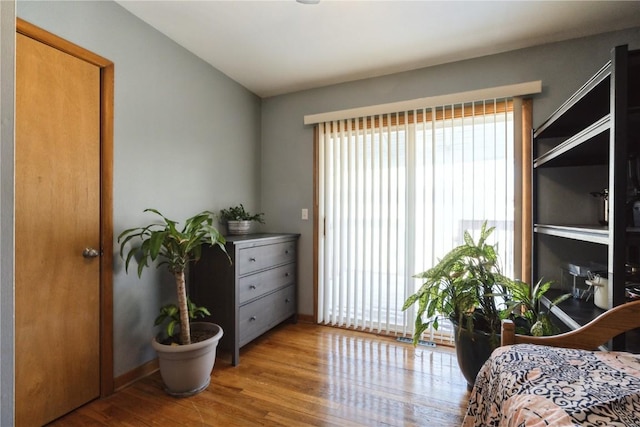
<point>186,369</point>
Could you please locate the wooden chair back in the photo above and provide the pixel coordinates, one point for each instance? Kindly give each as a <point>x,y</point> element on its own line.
<point>599,331</point>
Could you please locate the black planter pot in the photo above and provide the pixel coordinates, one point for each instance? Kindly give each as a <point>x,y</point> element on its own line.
<point>473,349</point>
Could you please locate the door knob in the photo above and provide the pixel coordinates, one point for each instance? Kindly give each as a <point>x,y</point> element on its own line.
<point>90,253</point>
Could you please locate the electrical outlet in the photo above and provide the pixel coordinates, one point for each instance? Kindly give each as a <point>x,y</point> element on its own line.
<point>305,213</point>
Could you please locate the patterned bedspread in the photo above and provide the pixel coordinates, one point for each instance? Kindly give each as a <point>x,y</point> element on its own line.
<point>527,385</point>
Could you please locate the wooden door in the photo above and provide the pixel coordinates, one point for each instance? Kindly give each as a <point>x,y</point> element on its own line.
<point>57,295</point>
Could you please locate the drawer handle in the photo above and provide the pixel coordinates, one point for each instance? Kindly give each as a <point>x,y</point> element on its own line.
<point>252,260</point>
<point>252,287</point>
<point>287,252</point>
<point>287,300</point>
<point>253,319</point>
<point>286,274</point>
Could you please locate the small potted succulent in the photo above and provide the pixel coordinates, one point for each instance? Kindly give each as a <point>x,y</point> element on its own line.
<point>238,220</point>
<point>187,352</point>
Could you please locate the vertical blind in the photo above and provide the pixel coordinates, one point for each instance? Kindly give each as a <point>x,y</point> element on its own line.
<point>395,193</point>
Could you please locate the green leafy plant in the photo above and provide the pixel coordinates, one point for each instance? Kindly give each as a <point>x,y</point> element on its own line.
<point>173,247</point>
<point>171,313</point>
<point>525,307</point>
<point>463,286</point>
<point>238,213</point>
<point>467,287</point>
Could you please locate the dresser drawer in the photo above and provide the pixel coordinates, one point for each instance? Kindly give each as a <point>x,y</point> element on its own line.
<point>263,314</point>
<point>255,285</point>
<point>285,306</point>
<point>256,258</point>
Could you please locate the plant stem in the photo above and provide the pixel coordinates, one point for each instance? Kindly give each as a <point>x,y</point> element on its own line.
<point>185,332</point>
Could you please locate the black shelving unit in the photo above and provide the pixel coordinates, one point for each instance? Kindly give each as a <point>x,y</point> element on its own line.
<point>584,147</point>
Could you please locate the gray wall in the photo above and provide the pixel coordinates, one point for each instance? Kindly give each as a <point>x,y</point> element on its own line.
<point>287,145</point>
<point>7,48</point>
<point>186,138</point>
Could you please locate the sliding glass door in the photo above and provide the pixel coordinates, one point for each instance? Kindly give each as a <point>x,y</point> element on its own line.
<point>397,191</point>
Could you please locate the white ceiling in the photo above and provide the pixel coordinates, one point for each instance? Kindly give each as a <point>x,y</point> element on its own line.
<point>274,47</point>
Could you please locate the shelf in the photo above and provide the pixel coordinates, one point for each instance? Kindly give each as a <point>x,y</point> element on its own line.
<point>588,147</point>
<point>587,104</point>
<point>585,233</point>
<point>573,312</point>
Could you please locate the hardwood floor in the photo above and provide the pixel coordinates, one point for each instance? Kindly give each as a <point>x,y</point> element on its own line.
<point>302,375</point>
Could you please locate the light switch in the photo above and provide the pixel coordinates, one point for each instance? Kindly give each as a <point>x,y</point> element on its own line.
<point>305,213</point>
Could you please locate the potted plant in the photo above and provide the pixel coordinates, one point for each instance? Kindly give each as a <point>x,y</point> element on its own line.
<point>524,306</point>
<point>239,220</point>
<point>185,361</point>
<point>467,287</point>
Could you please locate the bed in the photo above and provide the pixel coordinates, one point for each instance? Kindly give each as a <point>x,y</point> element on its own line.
<point>563,380</point>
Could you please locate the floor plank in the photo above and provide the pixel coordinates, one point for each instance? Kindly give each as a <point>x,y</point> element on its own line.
<point>302,375</point>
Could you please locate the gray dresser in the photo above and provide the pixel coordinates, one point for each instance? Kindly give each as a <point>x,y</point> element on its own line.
<point>254,293</point>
